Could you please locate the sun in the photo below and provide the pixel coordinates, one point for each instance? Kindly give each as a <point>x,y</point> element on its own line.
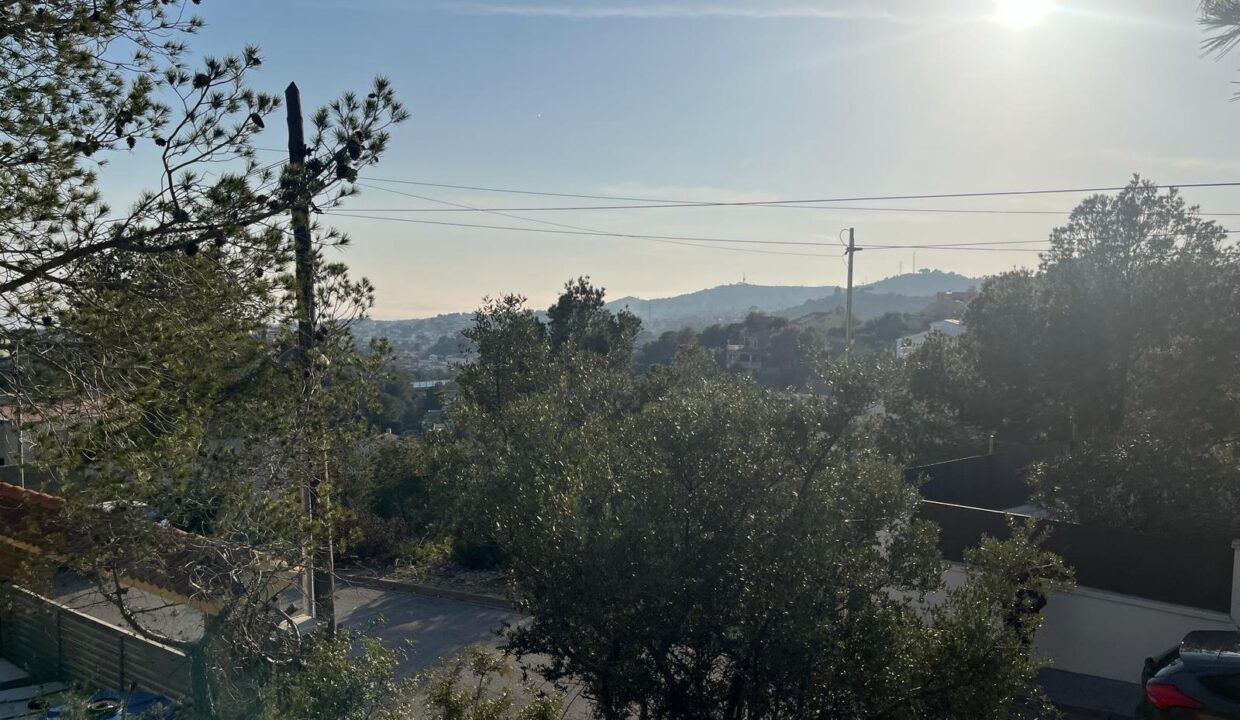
<point>1021,14</point>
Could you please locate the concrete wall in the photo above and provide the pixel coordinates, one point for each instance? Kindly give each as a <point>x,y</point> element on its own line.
<point>1109,635</point>
<point>1100,633</point>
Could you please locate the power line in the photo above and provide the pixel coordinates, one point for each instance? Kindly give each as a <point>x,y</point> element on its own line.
<point>690,242</point>
<point>948,247</point>
<point>986,245</point>
<point>582,231</point>
<point>972,243</point>
<point>666,203</point>
<point>684,240</point>
<point>471,207</point>
<point>810,203</point>
<point>530,192</point>
<point>676,204</point>
<point>675,239</point>
<point>806,204</point>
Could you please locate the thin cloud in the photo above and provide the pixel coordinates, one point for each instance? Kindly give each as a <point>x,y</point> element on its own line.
<point>672,12</point>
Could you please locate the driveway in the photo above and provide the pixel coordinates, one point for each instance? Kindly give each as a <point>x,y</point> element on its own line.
<point>429,628</point>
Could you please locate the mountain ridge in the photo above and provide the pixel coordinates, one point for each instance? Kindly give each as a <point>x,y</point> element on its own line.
<point>725,302</point>
<point>908,292</point>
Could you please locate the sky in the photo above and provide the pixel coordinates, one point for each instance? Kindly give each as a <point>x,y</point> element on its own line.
<point>736,100</point>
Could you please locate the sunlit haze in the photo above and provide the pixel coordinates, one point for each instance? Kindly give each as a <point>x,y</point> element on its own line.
<point>1021,13</point>
<point>734,100</point>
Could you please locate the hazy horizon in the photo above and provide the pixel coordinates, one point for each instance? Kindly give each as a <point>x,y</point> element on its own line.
<point>732,101</point>
<point>613,297</point>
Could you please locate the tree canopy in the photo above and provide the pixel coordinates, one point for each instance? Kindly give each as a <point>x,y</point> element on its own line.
<point>691,545</point>
<point>1120,348</point>
<point>157,342</point>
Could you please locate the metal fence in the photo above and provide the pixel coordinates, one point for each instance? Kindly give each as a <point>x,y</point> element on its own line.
<point>972,481</point>
<point>50,641</point>
<point>1191,568</point>
<point>994,481</point>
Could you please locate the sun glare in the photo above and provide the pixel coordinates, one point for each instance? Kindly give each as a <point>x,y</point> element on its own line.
<point>1020,14</point>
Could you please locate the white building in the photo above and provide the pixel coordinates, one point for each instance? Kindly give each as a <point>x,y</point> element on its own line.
<point>909,343</point>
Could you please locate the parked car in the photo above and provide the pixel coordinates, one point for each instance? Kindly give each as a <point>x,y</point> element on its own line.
<point>118,705</point>
<point>1198,679</point>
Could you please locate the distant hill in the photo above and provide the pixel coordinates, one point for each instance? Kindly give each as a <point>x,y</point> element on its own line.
<point>909,293</point>
<point>821,320</point>
<point>449,322</point>
<point>404,332</point>
<point>727,303</point>
<point>925,283</point>
<point>718,304</point>
<point>865,305</point>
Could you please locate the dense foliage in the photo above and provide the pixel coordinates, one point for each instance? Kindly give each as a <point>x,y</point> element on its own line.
<point>1120,348</point>
<point>690,545</point>
<point>783,351</point>
<point>154,346</point>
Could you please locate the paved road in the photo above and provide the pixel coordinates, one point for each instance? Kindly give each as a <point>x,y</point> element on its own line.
<point>428,629</point>
<point>440,628</point>
<point>437,627</point>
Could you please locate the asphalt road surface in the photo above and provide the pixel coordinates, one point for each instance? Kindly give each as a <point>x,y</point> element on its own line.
<point>442,627</point>
<point>428,628</point>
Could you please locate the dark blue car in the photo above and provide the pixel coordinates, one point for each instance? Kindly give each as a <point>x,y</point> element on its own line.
<point>1198,679</point>
<point>133,705</point>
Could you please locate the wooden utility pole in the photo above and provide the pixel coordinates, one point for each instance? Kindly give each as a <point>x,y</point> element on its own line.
<point>852,250</point>
<point>21,430</point>
<point>318,581</point>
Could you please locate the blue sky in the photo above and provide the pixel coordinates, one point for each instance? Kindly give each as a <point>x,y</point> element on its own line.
<point>739,100</point>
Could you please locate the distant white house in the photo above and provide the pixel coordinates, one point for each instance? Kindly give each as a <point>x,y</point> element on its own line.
<point>909,343</point>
